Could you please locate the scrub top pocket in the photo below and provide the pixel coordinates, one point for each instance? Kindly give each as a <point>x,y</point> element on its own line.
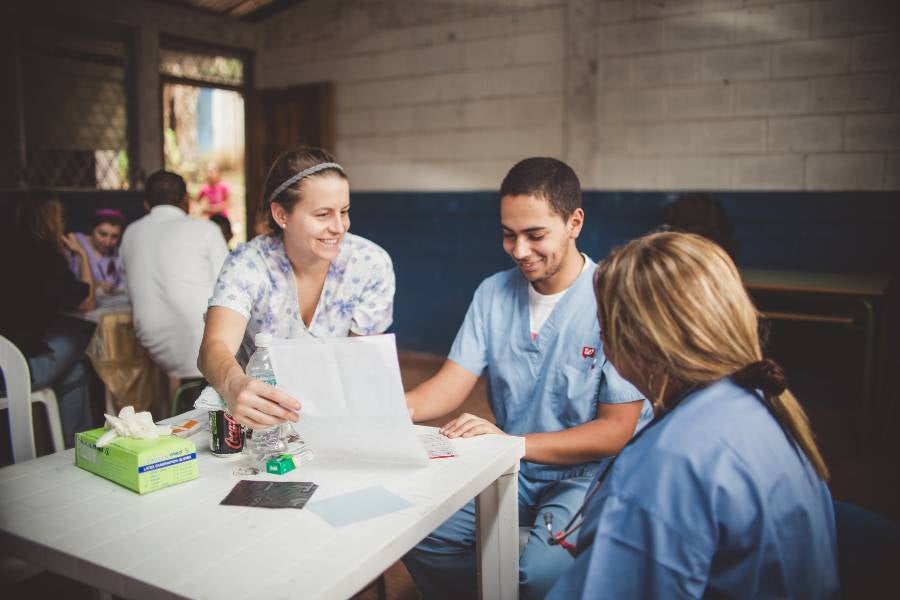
<point>578,380</point>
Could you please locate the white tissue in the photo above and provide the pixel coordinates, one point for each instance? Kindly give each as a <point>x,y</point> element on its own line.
<point>130,424</point>
<point>209,399</point>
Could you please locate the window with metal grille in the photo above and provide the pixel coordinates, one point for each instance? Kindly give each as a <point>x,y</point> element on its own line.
<point>205,68</point>
<point>74,110</point>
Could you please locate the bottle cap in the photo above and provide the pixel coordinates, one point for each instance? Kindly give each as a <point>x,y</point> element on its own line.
<point>262,340</point>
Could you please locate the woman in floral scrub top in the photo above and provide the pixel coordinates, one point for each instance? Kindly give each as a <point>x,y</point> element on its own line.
<point>310,278</point>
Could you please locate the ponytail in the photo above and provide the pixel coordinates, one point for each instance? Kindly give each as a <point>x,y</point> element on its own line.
<point>675,304</point>
<point>767,376</point>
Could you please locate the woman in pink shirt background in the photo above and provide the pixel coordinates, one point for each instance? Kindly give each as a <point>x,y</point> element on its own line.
<point>214,193</point>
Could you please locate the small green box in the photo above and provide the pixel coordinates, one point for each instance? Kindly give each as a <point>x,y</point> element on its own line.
<point>140,465</point>
<point>280,465</point>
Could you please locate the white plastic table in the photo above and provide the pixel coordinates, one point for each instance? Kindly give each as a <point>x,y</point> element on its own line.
<point>179,542</point>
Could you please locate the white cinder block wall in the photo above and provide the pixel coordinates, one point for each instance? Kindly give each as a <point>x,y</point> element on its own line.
<point>430,95</point>
<point>744,94</point>
<point>689,94</point>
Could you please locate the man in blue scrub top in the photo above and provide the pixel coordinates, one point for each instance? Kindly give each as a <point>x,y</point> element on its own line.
<point>534,328</point>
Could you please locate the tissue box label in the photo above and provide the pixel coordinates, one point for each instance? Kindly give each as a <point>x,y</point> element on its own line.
<point>140,465</point>
<point>167,463</point>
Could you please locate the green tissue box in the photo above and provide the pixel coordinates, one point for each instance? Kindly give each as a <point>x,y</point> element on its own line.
<point>140,465</point>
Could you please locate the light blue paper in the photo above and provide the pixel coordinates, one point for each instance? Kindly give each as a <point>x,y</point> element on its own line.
<point>358,506</point>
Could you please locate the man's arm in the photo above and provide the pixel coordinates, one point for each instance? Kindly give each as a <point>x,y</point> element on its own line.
<point>85,274</point>
<point>442,394</point>
<point>604,436</point>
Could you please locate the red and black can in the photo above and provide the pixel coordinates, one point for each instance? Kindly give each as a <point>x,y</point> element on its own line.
<point>226,436</point>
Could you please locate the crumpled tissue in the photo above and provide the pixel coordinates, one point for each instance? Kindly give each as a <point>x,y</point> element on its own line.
<point>209,399</point>
<point>130,424</point>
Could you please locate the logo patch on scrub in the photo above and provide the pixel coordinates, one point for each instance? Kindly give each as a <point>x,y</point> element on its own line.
<point>588,352</point>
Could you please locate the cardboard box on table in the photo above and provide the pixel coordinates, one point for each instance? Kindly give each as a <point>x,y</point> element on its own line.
<point>140,465</point>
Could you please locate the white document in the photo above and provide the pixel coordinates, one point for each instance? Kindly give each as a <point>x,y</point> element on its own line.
<point>352,396</point>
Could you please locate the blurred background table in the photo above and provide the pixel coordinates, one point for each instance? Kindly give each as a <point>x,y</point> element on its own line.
<point>128,373</point>
<point>852,302</point>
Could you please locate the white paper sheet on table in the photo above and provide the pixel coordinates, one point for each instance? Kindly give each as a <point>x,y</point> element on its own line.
<point>352,396</point>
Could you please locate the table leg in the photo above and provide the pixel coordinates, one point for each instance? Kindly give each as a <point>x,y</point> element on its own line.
<point>496,510</point>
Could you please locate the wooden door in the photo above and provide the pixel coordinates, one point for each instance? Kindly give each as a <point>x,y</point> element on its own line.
<point>283,119</point>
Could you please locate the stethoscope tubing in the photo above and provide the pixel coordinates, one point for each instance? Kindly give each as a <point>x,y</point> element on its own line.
<point>571,527</point>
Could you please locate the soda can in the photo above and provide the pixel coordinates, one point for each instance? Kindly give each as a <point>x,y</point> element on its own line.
<point>226,436</point>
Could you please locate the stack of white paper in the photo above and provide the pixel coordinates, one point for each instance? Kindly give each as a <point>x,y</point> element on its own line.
<point>352,396</point>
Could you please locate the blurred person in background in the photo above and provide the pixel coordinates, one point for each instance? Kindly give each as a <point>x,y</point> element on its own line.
<point>702,214</point>
<point>225,225</point>
<point>171,263</point>
<point>39,288</point>
<point>101,246</point>
<point>214,194</point>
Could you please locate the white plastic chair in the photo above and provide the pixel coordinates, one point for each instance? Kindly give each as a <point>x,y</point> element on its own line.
<point>18,400</point>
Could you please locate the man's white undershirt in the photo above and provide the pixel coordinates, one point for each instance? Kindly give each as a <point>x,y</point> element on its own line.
<point>541,305</point>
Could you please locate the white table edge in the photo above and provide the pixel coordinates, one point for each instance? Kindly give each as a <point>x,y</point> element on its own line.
<point>497,543</point>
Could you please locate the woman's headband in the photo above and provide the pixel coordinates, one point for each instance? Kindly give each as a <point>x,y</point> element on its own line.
<point>304,173</point>
<point>109,213</point>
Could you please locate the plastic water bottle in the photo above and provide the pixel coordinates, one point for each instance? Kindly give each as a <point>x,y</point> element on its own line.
<point>262,444</point>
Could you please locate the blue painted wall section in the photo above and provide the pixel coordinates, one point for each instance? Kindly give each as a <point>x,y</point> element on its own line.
<point>444,244</point>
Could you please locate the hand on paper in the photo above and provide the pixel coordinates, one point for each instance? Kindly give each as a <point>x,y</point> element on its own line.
<point>467,425</point>
<point>256,404</point>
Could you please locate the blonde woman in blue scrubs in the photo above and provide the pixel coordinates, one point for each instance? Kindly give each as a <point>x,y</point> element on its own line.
<point>723,494</point>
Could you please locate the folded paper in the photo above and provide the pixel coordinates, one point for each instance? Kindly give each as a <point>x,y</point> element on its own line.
<point>353,405</point>
<point>358,506</point>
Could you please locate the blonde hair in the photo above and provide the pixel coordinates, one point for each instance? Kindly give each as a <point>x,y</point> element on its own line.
<point>673,305</point>
<point>41,216</point>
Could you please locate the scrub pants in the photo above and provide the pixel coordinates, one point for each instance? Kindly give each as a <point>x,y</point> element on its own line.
<point>443,564</point>
<point>65,369</point>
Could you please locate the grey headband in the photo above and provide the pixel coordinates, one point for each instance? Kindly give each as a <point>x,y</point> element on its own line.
<point>304,173</point>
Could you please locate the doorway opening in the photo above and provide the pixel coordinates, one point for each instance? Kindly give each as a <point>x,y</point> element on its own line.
<point>204,133</point>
